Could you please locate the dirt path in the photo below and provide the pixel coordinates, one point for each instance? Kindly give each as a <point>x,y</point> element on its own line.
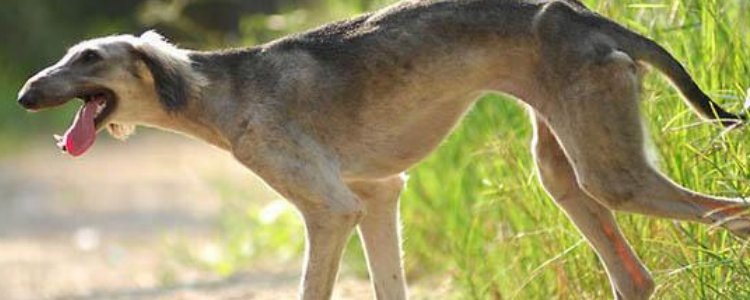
<point>96,227</point>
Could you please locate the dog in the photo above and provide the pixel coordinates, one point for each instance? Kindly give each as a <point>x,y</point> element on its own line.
<point>332,118</point>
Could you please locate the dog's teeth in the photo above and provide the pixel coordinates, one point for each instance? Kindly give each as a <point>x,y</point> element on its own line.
<point>100,108</point>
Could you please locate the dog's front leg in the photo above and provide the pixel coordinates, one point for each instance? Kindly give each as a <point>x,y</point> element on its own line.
<point>380,234</point>
<point>307,175</point>
<point>327,234</point>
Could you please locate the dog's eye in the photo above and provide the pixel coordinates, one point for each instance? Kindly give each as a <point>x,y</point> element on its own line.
<point>90,56</point>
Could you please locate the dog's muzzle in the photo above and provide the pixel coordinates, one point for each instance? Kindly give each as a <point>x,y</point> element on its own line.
<point>30,99</point>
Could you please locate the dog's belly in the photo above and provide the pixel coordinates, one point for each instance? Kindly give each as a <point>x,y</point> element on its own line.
<point>396,142</point>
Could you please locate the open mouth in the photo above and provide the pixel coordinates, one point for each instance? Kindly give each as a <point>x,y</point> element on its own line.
<point>97,106</point>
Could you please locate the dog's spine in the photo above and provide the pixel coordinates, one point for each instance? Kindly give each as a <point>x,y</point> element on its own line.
<point>644,49</point>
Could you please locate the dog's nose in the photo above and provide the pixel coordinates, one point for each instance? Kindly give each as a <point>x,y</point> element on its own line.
<point>29,99</point>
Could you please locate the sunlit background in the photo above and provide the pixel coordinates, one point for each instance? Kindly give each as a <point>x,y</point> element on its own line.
<point>165,217</point>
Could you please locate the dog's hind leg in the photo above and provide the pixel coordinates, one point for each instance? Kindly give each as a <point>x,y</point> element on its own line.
<point>629,278</point>
<point>596,118</point>
<point>379,231</point>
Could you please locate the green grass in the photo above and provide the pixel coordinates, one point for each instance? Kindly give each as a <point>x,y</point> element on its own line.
<point>474,211</point>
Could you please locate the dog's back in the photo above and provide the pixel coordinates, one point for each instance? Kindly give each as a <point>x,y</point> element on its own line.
<point>432,58</point>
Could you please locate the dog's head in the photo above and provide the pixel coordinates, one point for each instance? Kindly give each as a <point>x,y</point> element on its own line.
<point>122,81</point>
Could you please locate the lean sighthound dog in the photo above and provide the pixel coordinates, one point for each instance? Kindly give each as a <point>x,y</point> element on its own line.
<point>333,117</point>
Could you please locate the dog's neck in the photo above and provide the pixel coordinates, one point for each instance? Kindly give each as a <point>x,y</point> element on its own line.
<point>198,123</point>
<point>207,113</point>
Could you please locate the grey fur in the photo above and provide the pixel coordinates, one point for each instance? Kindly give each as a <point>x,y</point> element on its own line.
<point>332,117</point>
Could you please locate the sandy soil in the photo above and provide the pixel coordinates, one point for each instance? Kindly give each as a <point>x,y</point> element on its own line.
<point>98,227</point>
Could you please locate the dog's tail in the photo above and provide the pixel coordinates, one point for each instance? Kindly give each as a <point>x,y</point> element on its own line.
<point>644,49</point>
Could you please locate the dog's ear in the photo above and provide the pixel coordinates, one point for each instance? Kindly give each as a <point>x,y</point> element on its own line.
<point>170,85</point>
<point>167,66</point>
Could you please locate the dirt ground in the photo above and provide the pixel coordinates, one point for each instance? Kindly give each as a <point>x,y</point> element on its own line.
<point>97,227</point>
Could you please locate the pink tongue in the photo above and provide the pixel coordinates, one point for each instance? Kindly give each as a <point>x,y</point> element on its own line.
<point>82,134</point>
